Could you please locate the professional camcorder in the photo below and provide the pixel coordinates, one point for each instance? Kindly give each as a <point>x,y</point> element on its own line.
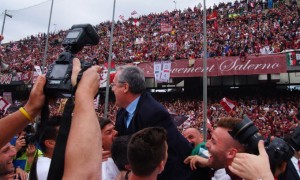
<point>59,73</point>
<point>278,150</point>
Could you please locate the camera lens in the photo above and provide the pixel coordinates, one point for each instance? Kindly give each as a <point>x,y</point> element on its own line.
<point>247,134</point>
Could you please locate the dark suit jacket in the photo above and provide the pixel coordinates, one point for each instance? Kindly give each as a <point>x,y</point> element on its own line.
<point>290,173</point>
<point>150,113</point>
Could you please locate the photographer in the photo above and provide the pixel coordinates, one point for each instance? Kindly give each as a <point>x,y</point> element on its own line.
<point>221,147</point>
<point>26,149</point>
<point>82,161</point>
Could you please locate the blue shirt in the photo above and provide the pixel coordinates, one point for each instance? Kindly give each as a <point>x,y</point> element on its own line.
<point>131,109</point>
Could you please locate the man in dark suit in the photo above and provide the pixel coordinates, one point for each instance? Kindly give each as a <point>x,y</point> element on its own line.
<point>292,169</point>
<point>138,110</point>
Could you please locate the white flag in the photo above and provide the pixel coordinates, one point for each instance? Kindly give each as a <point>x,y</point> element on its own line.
<point>166,71</point>
<point>157,70</point>
<point>38,70</point>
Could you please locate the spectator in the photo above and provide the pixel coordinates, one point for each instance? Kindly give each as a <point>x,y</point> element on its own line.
<point>147,153</point>
<point>222,148</point>
<point>47,140</point>
<point>108,132</point>
<point>7,153</point>
<point>119,155</point>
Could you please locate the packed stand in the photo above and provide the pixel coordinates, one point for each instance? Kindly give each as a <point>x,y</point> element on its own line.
<point>238,29</point>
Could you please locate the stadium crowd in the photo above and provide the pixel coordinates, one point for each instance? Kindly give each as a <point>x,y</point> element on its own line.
<point>274,114</point>
<point>240,28</point>
<point>233,29</point>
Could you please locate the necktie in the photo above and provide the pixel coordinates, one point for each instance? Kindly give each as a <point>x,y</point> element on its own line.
<point>126,118</point>
<point>299,164</point>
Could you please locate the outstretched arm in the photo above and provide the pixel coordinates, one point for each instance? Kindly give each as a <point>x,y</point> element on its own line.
<point>83,151</point>
<point>15,122</point>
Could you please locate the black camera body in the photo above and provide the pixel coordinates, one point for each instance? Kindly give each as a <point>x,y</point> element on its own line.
<point>59,73</point>
<point>278,150</point>
<point>29,138</point>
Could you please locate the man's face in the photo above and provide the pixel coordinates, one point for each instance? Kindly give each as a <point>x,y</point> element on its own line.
<point>218,147</point>
<point>193,136</point>
<point>7,153</point>
<point>108,135</point>
<point>118,89</point>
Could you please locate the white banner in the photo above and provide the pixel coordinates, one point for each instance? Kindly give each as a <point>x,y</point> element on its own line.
<point>157,70</point>
<point>166,71</point>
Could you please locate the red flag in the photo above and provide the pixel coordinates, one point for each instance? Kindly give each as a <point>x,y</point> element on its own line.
<point>136,22</point>
<point>228,104</point>
<point>212,16</point>
<point>112,65</point>
<point>216,25</point>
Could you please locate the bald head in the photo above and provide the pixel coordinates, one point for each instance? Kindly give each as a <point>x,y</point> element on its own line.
<point>193,135</point>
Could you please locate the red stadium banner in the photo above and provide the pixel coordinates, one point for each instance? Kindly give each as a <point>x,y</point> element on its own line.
<point>221,66</point>
<point>224,66</point>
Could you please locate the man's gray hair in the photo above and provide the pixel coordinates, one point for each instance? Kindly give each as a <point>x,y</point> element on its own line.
<point>134,76</point>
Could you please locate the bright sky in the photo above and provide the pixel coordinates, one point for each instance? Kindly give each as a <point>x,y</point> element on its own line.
<point>32,16</point>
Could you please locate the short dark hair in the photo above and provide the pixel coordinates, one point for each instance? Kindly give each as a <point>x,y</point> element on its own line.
<point>50,131</point>
<point>119,151</point>
<point>146,149</point>
<point>134,76</point>
<point>228,122</point>
<point>104,121</point>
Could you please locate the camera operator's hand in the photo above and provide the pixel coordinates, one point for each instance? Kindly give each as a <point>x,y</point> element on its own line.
<point>37,97</point>
<point>89,82</point>
<point>84,128</point>
<point>196,161</point>
<point>20,142</point>
<point>249,166</point>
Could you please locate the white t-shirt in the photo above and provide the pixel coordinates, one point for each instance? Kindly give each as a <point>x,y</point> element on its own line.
<point>221,175</point>
<point>109,170</point>
<point>295,163</point>
<point>42,167</point>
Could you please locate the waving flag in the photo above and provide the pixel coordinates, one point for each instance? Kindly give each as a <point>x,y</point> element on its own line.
<point>122,17</point>
<point>4,105</point>
<point>212,16</point>
<point>133,13</point>
<point>136,22</point>
<point>228,104</point>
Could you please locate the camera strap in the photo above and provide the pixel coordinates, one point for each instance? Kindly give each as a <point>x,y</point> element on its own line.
<point>56,170</point>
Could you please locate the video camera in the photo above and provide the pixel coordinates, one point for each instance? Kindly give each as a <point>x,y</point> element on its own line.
<point>278,150</point>
<point>59,73</point>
